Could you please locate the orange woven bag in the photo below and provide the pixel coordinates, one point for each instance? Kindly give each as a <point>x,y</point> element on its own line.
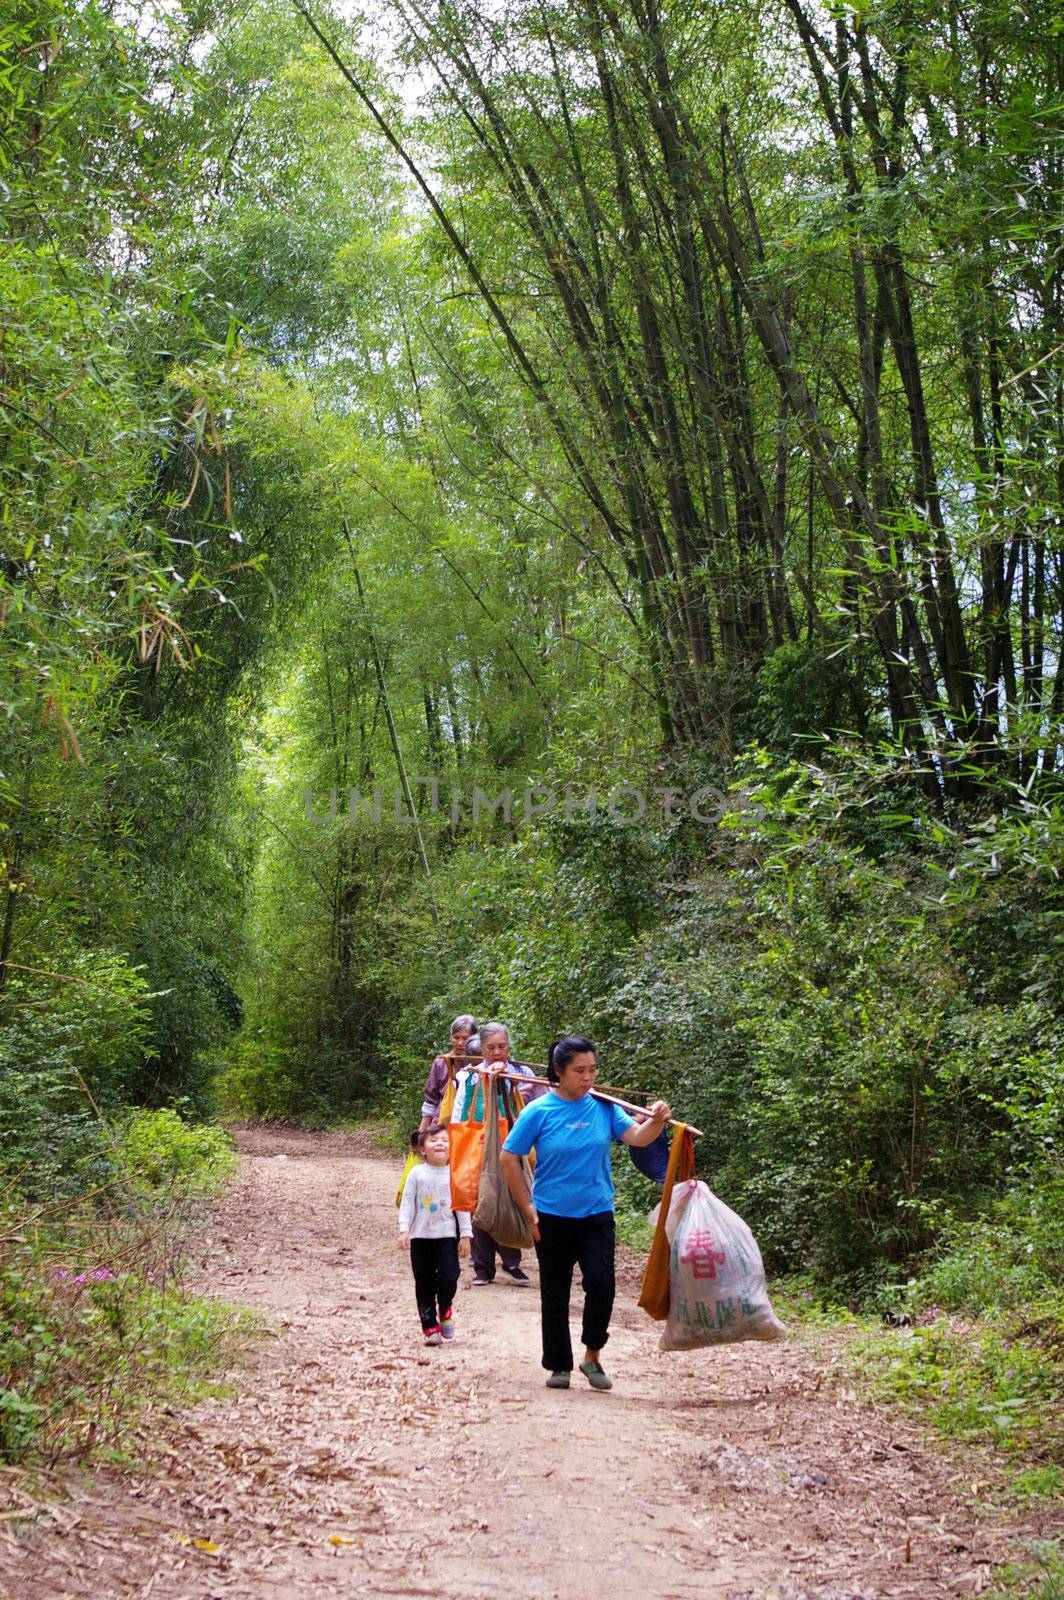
<point>467,1157</point>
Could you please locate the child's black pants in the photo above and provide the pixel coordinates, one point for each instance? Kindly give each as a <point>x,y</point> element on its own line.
<point>435,1264</point>
<point>565,1242</point>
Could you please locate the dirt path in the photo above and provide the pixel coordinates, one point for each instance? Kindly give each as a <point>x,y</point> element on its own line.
<point>350,1461</point>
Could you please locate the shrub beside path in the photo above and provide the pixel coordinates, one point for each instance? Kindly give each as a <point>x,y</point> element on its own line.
<point>349,1461</point>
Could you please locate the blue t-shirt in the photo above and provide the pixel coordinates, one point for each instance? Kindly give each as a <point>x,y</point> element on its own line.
<point>572,1141</point>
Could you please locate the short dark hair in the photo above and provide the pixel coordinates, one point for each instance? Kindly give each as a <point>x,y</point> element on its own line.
<point>562,1052</point>
<point>415,1138</point>
<point>423,1133</point>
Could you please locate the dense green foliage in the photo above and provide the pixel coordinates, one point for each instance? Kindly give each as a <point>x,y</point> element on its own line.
<point>94,1324</point>
<point>668,400</point>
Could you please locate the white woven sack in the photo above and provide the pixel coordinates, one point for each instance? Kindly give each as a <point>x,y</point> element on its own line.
<point>717,1291</point>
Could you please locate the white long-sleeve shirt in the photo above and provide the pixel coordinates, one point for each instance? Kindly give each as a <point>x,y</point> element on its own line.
<point>425,1209</point>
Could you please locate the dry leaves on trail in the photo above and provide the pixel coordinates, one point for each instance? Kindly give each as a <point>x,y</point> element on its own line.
<point>350,1460</point>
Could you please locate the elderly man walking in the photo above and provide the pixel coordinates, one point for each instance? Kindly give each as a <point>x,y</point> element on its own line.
<point>495,1044</point>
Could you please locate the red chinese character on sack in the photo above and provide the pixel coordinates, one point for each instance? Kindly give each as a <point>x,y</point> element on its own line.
<point>702,1254</point>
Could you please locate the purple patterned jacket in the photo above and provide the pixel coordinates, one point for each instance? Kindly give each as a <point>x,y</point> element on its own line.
<point>435,1086</point>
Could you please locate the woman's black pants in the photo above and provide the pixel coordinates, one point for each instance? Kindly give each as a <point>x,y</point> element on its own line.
<point>566,1242</point>
<point>435,1264</point>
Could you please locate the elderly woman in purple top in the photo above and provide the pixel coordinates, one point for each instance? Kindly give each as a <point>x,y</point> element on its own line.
<point>444,1068</point>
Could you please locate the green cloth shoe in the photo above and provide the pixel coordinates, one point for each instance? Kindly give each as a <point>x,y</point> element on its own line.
<point>595,1376</point>
<point>558,1380</point>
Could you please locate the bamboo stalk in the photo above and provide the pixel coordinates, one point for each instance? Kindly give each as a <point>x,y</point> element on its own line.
<point>541,1066</point>
<point>626,1105</point>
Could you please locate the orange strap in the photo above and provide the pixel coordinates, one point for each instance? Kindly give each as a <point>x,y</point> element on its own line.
<point>654,1294</point>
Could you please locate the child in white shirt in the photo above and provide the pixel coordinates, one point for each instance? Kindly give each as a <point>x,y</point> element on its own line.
<point>434,1234</point>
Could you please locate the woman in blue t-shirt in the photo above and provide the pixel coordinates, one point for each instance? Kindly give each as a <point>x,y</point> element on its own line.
<point>571,1205</point>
